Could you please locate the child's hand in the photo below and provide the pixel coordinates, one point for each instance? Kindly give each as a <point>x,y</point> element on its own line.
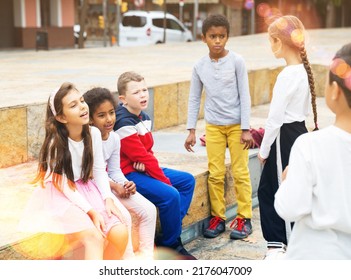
<point>262,160</point>
<point>130,188</point>
<point>285,172</point>
<point>111,208</point>
<point>97,220</point>
<point>118,189</point>
<point>138,166</point>
<point>246,138</point>
<point>190,141</point>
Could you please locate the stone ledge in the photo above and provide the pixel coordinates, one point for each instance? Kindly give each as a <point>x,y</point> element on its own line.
<point>23,126</point>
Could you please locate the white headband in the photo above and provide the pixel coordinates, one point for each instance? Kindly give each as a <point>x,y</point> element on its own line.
<point>51,101</point>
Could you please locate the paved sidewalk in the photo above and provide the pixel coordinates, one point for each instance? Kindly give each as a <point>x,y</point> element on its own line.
<point>28,76</point>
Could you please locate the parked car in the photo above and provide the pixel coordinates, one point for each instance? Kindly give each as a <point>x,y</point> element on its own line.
<point>139,28</point>
<point>76,30</point>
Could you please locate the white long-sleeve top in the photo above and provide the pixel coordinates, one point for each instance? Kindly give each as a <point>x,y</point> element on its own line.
<point>316,194</point>
<point>99,170</point>
<point>111,151</point>
<point>290,103</point>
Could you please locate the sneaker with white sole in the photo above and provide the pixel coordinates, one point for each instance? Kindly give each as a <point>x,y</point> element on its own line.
<point>275,254</point>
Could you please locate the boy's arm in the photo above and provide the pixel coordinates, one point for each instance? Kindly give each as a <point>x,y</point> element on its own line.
<point>190,141</point>
<point>136,152</point>
<point>196,87</point>
<point>244,92</point>
<point>194,100</point>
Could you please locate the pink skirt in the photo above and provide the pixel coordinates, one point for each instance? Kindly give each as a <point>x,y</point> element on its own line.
<point>49,210</point>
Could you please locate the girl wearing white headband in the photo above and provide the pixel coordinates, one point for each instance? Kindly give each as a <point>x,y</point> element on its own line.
<point>74,204</point>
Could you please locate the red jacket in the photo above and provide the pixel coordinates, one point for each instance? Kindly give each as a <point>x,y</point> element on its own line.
<point>137,143</point>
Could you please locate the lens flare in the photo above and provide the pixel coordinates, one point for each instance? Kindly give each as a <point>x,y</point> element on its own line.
<point>272,15</point>
<point>249,4</point>
<point>282,23</point>
<point>340,68</point>
<point>42,246</point>
<point>263,10</point>
<point>298,37</point>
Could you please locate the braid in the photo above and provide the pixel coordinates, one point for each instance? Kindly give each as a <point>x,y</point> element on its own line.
<point>307,66</point>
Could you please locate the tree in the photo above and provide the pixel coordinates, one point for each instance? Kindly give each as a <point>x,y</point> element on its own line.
<point>82,19</point>
<point>328,11</point>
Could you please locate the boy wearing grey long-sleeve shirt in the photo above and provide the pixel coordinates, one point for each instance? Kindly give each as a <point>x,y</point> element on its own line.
<point>223,76</point>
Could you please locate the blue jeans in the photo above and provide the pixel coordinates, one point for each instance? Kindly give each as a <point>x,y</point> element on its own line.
<point>172,201</point>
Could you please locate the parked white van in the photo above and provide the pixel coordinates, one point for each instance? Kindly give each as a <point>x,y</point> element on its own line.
<point>140,28</point>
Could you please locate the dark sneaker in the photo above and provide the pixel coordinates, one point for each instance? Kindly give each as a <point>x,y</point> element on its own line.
<point>181,251</point>
<point>184,254</point>
<point>242,228</point>
<point>216,227</point>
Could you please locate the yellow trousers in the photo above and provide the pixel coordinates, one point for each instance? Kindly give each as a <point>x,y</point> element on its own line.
<point>217,138</point>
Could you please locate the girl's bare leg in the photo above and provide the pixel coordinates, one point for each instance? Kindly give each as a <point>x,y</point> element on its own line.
<point>117,242</point>
<point>92,241</point>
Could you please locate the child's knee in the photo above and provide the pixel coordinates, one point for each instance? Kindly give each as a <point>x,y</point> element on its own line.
<point>190,179</point>
<point>92,237</point>
<point>150,212</point>
<point>119,234</point>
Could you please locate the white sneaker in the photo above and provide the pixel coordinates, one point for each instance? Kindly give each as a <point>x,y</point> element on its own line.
<point>275,254</point>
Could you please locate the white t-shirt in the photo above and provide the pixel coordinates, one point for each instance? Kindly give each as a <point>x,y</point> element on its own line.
<point>111,151</point>
<point>99,170</point>
<point>291,102</point>
<point>317,195</point>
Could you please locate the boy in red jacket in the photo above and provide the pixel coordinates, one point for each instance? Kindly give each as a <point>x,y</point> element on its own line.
<point>170,190</point>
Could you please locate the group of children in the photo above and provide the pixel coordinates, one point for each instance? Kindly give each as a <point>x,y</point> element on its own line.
<point>303,200</point>
<point>91,188</point>
<point>97,168</point>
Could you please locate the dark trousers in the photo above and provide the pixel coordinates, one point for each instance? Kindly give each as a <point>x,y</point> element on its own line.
<point>274,227</point>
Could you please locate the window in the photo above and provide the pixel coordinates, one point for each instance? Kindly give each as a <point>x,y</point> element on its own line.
<point>172,24</point>
<point>45,13</point>
<point>158,22</point>
<point>134,21</point>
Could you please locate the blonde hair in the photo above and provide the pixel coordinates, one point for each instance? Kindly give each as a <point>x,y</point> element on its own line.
<point>126,78</point>
<point>290,30</point>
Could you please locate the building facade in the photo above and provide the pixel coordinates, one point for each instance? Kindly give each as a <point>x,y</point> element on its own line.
<point>23,23</point>
<point>49,23</point>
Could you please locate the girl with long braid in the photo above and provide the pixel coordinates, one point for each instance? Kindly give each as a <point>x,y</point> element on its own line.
<point>293,94</point>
